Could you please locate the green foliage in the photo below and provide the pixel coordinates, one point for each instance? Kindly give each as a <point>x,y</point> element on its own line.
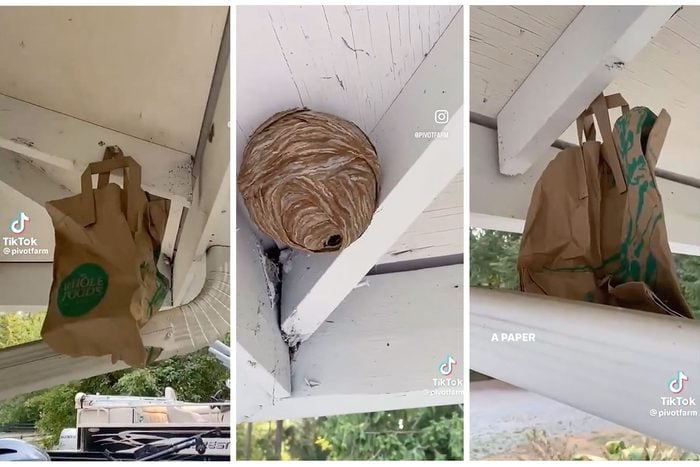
<point>303,439</point>
<point>262,446</point>
<point>15,411</point>
<point>16,329</point>
<point>20,328</point>
<point>689,273</point>
<point>493,256</point>
<point>431,433</point>
<point>140,382</point>
<point>546,448</point>
<point>617,450</point>
<point>195,377</point>
<point>56,409</point>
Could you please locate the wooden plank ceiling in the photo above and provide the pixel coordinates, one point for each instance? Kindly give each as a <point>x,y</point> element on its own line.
<point>507,42</point>
<point>351,61</point>
<point>142,71</point>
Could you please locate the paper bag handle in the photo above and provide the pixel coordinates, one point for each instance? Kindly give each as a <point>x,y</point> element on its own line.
<point>132,185</point>
<point>584,125</point>
<point>600,107</point>
<point>110,152</point>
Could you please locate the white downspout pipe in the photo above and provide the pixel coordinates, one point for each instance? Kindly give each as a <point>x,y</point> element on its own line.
<point>180,330</point>
<point>610,362</point>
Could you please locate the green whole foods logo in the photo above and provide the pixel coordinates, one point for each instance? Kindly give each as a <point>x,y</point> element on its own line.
<point>82,290</point>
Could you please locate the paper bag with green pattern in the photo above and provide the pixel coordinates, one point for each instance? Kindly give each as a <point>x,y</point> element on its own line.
<point>105,281</point>
<point>595,228</point>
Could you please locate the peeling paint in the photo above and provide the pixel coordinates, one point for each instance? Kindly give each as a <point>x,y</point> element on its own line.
<point>24,141</point>
<point>364,283</point>
<point>311,383</point>
<point>615,65</point>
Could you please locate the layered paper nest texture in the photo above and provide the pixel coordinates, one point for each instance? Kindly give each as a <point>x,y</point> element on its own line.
<point>310,180</point>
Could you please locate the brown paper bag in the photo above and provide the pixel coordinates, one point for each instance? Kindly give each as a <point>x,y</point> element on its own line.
<point>105,282</point>
<point>158,208</point>
<point>595,228</point>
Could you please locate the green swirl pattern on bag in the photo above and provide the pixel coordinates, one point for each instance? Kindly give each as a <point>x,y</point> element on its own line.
<point>639,177</point>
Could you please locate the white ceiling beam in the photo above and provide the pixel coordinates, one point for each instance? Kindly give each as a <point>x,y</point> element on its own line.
<point>71,144</point>
<point>18,173</point>
<point>293,408</point>
<point>437,232</point>
<point>262,357</point>
<point>500,202</point>
<point>414,171</point>
<point>378,351</point>
<point>622,367</point>
<point>210,199</point>
<point>579,66</point>
<point>34,366</point>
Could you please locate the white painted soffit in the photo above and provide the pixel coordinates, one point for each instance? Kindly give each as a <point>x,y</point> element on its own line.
<point>385,316</point>
<point>350,61</point>
<point>144,71</point>
<point>507,42</point>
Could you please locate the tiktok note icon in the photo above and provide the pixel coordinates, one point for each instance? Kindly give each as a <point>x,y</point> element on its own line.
<point>447,366</point>
<point>677,384</point>
<point>18,225</point>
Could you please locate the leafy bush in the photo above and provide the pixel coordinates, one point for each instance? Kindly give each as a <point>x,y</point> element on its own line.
<point>430,433</point>
<point>493,257</point>
<point>195,377</point>
<point>618,451</point>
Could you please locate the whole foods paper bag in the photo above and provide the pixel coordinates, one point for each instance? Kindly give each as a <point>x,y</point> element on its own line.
<point>595,228</point>
<point>158,209</point>
<point>105,282</point>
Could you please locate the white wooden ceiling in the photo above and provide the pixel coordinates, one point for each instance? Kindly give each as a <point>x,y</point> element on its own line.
<point>350,61</point>
<point>507,42</point>
<point>142,71</point>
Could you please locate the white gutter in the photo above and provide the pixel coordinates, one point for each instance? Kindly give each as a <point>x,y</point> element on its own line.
<point>610,362</point>
<point>180,330</point>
